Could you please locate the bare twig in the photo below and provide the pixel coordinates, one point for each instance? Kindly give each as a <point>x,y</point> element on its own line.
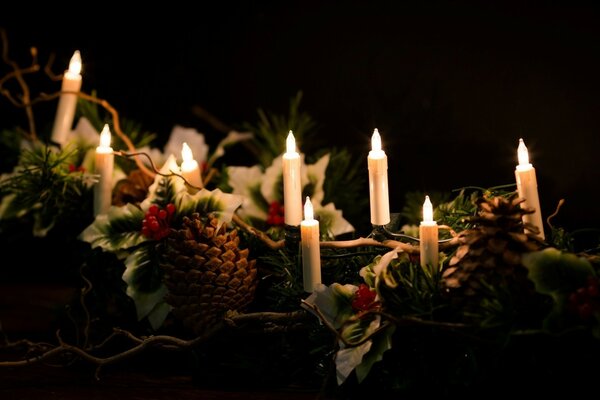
<point>116,122</point>
<point>360,242</point>
<point>273,245</point>
<point>233,318</point>
<point>17,74</point>
<point>142,344</point>
<point>449,229</point>
<point>48,69</point>
<point>213,121</point>
<point>555,213</point>
<point>153,166</point>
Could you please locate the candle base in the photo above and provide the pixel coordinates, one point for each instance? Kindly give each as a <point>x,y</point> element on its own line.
<point>292,238</point>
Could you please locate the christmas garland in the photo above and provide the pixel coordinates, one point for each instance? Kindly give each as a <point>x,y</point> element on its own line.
<point>200,259</point>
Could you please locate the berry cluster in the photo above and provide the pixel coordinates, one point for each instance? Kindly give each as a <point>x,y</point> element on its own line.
<point>364,298</point>
<point>156,225</point>
<point>74,168</point>
<point>585,301</point>
<point>276,214</point>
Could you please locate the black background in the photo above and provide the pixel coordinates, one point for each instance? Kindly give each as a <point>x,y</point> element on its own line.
<point>450,85</point>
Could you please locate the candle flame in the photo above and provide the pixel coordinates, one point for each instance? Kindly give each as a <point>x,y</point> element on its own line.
<point>522,153</point>
<point>308,210</point>
<point>186,153</point>
<point>75,63</point>
<point>290,143</point>
<point>105,137</point>
<point>376,141</point>
<point>427,210</point>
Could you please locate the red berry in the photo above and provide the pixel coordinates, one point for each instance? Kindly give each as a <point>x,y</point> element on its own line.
<point>153,210</point>
<point>146,231</point>
<point>162,214</point>
<point>592,291</point>
<point>170,208</point>
<point>154,225</point>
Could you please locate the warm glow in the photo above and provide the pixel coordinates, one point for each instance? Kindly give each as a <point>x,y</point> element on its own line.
<point>290,143</point>
<point>308,210</point>
<point>186,153</point>
<point>376,141</point>
<point>522,153</point>
<point>105,137</point>
<point>75,63</point>
<point>427,210</point>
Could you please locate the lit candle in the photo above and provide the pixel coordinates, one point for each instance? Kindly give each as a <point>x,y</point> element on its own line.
<point>104,168</point>
<point>68,101</point>
<point>292,186</point>
<point>189,167</point>
<point>378,182</point>
<point>311,252</point>
<point>428,236</point>
<point>527,187</point>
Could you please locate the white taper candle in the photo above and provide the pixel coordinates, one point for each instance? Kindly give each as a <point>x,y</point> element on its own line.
<point>311,252</point>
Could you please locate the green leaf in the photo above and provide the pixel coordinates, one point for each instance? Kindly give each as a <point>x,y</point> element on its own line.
<point>165,189</point>
<point>206,201</point>
<point>117,230</point>
<point>347,359</point>
<point>334,302</point>
<point>143,278</point>
<point>554,271</point>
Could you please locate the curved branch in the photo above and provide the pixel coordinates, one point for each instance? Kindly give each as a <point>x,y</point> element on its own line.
<point>273,245</point>
<point>360,242</point>
<point>159,341</point>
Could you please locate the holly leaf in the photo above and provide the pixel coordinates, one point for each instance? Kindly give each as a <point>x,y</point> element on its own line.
<point>554,271</point>
<point>144,284</point>
<point>348,358</point>
<point>119,229</point>
<point>382,342</point>
<point>165,189</point>
<point>223,205</point>
<point>334,302</point>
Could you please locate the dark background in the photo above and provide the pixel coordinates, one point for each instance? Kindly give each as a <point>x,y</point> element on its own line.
<point>450,85</point>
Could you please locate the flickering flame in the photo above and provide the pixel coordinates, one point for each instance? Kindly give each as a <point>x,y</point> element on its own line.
<point>427,210</point>
<point>376,141</point>
<point>75,63</point>
<point>308,210</point>
<point>105,137</point>
<point>522,153</point>
<point>290,143</point>
<point>186,153</point>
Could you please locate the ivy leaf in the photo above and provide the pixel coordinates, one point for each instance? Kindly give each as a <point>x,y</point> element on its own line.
<point>117,230</point>
<point>557,274</point>
<point>144,284</point>
<point>206,201</point>
<point>554,271</point>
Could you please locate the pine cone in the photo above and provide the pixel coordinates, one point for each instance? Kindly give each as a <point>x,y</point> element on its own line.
<point>132,189</point>
<point>206,272</point>
<point>490,253</point>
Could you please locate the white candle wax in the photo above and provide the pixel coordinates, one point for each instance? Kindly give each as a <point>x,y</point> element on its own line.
<point>378,182</point>
<point>428,236</point>
<point>189,167</point>
<point>311,252</point>
<point>67,101</point>
<point>103,167</point>
<point>527,188</point>
<point>292,185</point>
